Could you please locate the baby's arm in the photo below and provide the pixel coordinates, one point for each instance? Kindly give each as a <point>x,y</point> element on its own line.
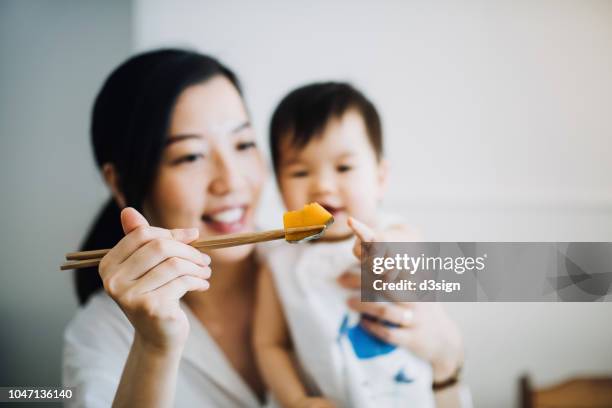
<point>273,348</point>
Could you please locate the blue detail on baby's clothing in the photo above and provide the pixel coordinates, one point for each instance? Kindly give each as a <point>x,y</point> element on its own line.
<point>401,377</point>
<point>364,344</point>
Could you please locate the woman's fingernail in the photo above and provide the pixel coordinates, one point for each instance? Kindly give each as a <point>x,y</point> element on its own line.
<point>205,285</point>
<point>185,234</point>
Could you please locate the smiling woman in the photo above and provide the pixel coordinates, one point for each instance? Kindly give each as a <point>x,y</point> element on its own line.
<point>173,139</point>
<point>131,123</point>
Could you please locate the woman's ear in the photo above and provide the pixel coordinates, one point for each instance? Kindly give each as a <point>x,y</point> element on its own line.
<point>112,181</point>
<point>383,177</point>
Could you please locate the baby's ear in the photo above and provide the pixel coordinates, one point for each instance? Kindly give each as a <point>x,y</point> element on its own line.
<point>383,177</point>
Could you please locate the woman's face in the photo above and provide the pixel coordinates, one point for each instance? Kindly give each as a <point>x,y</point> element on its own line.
<point>211,172</point>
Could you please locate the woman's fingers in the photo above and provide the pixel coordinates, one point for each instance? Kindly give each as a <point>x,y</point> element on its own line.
<point>138,233</point>
<point>394,335</point>
<point>185,235</point>
<point>131,242</point>
<point>176,288</point>
<point>166,271</point>
<point>132,219</point>
<point>401,314</point>
<point>134,226</point>
<point>157,251</point>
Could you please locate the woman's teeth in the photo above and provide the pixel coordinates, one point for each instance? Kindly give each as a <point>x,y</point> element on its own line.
<point>228,216</point>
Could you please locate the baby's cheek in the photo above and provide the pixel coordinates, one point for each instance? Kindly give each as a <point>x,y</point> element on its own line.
<point>363,198</point>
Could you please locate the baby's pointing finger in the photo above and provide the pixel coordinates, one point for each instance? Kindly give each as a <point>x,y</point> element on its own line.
<point>363,232</point>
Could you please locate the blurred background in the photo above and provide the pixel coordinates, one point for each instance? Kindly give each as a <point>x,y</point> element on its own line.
<point>496,118</point>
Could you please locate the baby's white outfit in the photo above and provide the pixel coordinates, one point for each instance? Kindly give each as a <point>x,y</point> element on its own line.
<point>338,359</point>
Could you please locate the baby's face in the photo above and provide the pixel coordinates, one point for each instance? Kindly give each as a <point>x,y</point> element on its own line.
<point>338,170</point>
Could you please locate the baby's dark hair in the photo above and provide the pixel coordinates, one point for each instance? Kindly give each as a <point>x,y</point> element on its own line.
<point>303,114</point>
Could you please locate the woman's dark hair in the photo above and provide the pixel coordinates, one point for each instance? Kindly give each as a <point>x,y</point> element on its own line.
<point>303,114</point>
<point>129,126</point>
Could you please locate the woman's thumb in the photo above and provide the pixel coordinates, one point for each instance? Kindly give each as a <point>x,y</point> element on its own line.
<point>132,219</point>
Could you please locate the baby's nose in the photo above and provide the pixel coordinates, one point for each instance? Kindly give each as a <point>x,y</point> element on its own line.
<point>323,184</point>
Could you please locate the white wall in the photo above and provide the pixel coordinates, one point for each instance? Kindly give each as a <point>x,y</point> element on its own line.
<point>53,59</point>
<point>497,118</point>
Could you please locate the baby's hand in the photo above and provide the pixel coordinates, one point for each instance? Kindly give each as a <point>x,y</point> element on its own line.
<point>313,402</point>
<point>394,233</point>
<point>363,233</point>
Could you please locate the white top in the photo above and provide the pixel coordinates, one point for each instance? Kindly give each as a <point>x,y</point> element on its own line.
<point>97,343</point>
<point>338,358</point>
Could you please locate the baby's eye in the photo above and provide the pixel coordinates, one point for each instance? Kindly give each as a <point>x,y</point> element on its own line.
<point>344,168</point>
<point>188,158</point>
<point>299,173</point>
<point>245,145</point>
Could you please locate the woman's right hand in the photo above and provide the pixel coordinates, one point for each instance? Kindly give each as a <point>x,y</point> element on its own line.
<point>147,273</point>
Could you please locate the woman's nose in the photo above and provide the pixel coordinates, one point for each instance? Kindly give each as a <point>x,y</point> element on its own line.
<point>226,177</point>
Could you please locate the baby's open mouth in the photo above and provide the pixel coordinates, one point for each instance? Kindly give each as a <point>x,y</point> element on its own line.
<point>335,211</point>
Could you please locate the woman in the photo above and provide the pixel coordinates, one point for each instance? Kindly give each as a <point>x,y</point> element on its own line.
<point>173,139</point>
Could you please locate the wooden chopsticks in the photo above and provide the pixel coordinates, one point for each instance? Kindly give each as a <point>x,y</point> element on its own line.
<point>87,259</point>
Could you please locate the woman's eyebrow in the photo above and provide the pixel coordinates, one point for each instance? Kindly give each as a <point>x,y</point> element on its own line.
<point>242,126</point>
<point>180,138</point>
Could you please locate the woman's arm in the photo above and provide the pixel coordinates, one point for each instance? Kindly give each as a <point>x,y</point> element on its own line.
<point>149,377</point>
<point>146,274</point>
<point>273,348</point>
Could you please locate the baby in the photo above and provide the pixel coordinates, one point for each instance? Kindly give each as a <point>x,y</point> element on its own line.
<point>326,142</point>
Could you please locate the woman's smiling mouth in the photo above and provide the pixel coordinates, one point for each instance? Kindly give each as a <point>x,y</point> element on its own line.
<point>226,220</point>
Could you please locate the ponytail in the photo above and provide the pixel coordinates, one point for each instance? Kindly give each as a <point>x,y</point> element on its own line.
<point>105,233</point>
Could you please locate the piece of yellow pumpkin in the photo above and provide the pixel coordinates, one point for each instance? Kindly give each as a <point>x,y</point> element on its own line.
<point>312,214</point>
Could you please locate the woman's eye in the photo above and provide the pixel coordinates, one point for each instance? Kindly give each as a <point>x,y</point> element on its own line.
<point>299,173</point>
<point>189,158</point>
<point>245,145</point>
<point>344,168</point>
